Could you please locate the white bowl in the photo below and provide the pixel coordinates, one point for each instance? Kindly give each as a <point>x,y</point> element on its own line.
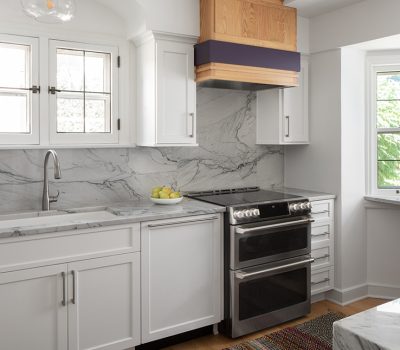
<point>166,201</point>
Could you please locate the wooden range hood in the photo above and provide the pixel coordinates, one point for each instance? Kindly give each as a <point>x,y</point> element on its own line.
<point>247,44</point>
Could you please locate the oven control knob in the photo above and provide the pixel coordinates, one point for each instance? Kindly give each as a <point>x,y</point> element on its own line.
<point>256,212</point>
<point>238,214</point>
<point>248,213</point>
<point>294,207</point>
<point>303,206</point>
<point>309,206</point>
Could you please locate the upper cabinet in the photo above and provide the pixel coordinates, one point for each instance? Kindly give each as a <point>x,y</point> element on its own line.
<point>282,115</point>
<point>264,23</point>
<point>166,90</point>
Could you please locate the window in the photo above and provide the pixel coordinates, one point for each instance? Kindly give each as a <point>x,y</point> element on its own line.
<point>384,126</point>
<point>19,93</point>
<point>83,90</point>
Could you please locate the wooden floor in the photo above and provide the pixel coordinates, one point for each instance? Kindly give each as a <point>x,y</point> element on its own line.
<point>219,342</point>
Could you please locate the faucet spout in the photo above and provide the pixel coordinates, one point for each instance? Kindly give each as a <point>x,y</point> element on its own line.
<point>46,199</point>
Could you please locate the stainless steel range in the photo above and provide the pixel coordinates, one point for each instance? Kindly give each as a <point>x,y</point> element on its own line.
<point>267,263</point>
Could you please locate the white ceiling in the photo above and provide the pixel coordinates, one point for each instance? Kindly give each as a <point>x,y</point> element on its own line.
<point>313,8</point>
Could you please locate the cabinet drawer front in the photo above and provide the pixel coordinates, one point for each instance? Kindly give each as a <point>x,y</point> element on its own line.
<point>322,256</point>
<point>321,233</point>
<point>322,210</point>
<point>322,280</point>
<point>47,249</point>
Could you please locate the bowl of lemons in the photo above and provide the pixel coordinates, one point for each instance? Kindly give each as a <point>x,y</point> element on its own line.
<point>165,195</point>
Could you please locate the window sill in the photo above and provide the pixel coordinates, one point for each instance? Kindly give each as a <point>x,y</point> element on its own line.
<point>394,200</point>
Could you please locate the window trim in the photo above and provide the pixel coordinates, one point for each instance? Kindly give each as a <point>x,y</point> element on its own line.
<point>33,138</point>
<point>84,138</point>
<point>376,64</point>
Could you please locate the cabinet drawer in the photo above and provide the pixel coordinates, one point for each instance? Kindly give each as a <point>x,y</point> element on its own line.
<point>322,210</point>
<point>50,248</point>
<point>321,233</point>
<point>322,256</point>
<point>322,280</point>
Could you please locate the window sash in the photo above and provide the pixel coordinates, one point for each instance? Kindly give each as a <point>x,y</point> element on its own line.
<point>111,137</point>
<point>31,137</point>
<point>375,131</point>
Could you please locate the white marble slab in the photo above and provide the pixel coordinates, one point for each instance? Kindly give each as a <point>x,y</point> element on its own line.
<point>375,329</point>
<point>311,195</point>
<point>227,157</point>
<point>116,214</point>
<point>395,200</point>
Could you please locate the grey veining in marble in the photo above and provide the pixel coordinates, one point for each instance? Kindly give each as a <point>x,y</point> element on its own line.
<point>375,329</point>
<point>117,214</point>
<point>227,157</point>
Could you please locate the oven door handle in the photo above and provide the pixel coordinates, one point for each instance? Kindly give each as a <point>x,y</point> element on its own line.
<point>242,275</point>
<point>242,231</point>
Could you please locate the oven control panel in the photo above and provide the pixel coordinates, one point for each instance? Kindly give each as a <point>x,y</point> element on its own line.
<point>269,211</point>
<point>302,207</point>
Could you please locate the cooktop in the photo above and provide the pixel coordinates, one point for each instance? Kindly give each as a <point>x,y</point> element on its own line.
<point>241,196</point>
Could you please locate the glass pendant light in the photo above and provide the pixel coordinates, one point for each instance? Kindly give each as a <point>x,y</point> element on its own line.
<point>50,11</point>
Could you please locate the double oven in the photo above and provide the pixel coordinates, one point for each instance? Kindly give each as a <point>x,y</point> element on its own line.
<point>267,267</point>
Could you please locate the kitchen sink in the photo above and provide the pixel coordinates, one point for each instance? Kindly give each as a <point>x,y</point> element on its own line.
<point>52,217</point>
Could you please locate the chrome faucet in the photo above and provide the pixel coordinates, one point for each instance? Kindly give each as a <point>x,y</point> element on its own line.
<point>46,199</point>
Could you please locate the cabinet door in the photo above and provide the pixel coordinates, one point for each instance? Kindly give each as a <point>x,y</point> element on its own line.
<point>33,315</point>
<point>104,303</point>
<point>181,276</point>
<point>176,93</point>
<point>295,109</point>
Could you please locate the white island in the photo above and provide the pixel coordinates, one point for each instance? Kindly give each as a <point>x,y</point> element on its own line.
<point>377,328</point>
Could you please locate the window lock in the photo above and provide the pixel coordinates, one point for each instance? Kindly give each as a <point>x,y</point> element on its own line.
<point>35,89</point>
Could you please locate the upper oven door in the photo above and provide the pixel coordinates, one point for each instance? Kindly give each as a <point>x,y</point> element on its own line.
<point>264,242</point>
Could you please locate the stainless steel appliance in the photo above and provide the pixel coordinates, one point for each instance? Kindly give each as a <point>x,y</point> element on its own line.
<point>267,263</point>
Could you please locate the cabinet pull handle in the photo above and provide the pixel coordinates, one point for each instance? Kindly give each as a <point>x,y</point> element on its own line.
<point>288,126</point>
<point>322,257</point>
<point>321,234</point>
<point>74,277</point>
<point>320,282</point>
<point>191,125</point>
<point>183,222</point>
<point>64,286</point>
<point>320,212</point>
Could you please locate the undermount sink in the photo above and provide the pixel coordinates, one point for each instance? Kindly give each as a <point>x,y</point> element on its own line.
<point>52,217</point>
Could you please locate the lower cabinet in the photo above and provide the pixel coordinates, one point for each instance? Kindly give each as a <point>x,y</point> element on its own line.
<point>32,313</point>
<point>104,303</point>
<point>181,275</point>
<point>91,304</point>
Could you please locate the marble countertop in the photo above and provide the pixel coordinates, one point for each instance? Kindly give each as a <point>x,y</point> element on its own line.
<point>312,195</point>
<point>115,214</point>
<point>395,200</point>
<point>374,329</point>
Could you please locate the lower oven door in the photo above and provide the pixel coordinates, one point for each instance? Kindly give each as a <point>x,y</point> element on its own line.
<point>269,295</point>
<point>268,241</point>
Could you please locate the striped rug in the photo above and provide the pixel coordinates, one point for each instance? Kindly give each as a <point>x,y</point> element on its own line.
<point>312,335</point>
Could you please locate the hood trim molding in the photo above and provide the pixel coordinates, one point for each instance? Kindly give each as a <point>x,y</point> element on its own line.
<point>238,77</point>
<point>214,51</point>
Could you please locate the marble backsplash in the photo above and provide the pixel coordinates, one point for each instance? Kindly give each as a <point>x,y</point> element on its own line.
<point>227,157</point>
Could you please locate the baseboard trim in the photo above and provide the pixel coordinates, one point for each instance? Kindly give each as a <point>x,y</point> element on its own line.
<point>372,290</point>
<point>383,291</point>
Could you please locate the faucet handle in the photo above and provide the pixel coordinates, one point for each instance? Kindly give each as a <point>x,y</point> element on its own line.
<point>54,199</point>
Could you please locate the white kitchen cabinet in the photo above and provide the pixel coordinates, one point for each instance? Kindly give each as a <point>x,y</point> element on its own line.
<point>322,246</point>
<point>33,315</point>
<point>87,297</point>
<point>104,303</point>
<point>181,275</point>
<point>282,114</point>
<point>166,90</point>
